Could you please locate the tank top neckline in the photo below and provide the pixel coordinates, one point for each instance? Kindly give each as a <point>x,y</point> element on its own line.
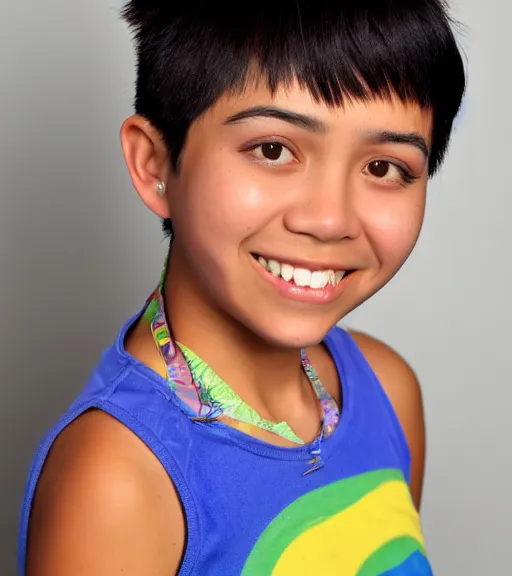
<point>246,441</point>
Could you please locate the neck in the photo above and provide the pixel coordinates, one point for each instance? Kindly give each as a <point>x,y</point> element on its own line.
<point>266,376</point>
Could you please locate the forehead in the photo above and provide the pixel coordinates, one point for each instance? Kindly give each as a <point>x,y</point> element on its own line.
<point>377,113</point>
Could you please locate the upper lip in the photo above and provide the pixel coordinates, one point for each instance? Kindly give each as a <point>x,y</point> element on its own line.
<point>304,263</point>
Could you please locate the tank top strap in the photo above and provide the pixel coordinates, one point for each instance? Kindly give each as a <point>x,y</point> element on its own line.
<point>364,396</point>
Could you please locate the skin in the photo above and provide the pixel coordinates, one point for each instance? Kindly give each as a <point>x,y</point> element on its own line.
<point>104,505</point>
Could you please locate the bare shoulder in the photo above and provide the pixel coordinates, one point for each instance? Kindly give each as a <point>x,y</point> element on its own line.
<point>393,371</point>
<point>104,505</point>
<point>403,389</point>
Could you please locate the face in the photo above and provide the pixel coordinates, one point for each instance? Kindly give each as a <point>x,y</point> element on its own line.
<point>288,214</point>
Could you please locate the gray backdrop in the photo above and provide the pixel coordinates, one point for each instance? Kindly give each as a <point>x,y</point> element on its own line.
<point>72,232</point>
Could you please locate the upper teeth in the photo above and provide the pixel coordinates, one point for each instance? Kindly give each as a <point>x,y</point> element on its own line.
<point>302,276</point>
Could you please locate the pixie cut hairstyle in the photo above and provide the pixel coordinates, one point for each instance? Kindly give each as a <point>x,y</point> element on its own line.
<point>190,53</point>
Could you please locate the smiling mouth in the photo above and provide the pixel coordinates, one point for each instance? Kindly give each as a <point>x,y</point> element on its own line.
<point>315,279</point>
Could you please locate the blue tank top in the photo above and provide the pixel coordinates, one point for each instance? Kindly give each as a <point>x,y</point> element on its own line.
<point>250,507</point>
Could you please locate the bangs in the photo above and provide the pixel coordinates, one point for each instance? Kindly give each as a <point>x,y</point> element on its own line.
<point>336,49</point>
<point>368,50</point>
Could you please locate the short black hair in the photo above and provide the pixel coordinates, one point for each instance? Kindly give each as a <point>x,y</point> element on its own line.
<point>189,53</point>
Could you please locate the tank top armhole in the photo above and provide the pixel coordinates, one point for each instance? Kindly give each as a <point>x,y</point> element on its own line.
<point>342,342</point>
<point>192,529</point>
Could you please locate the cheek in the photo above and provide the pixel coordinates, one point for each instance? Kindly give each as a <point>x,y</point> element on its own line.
<point>222,202</point>
<point>392,225</point>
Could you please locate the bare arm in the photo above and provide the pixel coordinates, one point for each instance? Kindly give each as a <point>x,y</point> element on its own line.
<point>104,506</point>
<point>403,390</point>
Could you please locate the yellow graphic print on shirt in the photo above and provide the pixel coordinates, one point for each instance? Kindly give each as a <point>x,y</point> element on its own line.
<point>365,525</point>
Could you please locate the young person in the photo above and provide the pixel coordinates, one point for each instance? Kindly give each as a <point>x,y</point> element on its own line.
<point>232,428</point>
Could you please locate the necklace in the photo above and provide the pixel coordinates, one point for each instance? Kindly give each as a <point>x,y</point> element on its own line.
<point>203,395</point>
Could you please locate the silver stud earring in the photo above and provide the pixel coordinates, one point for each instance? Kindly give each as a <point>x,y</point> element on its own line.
<point>160,188</point>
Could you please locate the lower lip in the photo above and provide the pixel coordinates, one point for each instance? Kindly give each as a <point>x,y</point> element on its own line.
<point>304,294</point>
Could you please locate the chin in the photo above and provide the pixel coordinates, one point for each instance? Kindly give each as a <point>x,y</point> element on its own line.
<point>292,333</point>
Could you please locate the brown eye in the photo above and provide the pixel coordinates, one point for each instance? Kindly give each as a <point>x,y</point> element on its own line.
<point>272,151</point>
<point>272,154</point>
<point>388,173</point>
<point>379,168</point>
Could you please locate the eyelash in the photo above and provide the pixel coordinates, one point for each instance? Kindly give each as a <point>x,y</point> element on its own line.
<point>406,176</point>
<point>276,142</point>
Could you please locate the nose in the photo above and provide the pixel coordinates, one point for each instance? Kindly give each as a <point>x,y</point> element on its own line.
<point>326,212</point>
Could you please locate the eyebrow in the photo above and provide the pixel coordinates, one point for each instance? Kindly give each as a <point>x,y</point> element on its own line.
<point>316,126</point>
<point>301,120</point>
<point>410,138</point>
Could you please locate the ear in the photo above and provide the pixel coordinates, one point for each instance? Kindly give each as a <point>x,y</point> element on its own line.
<point>148,162</point>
